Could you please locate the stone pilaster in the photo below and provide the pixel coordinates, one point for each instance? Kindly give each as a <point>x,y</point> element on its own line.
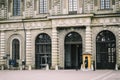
<point>28,48</point>
<point>117,4</point>
<point>3,10</point>
<point>54,47</point>
<point>88,40</point>
<point>56,7</point>
<point>2,47</point>
<point>118,58</point>
<point>29,11</point>
<point>88,6</point>
<point>64,6</point>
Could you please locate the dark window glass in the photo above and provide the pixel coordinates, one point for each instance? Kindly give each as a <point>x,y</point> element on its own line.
<point>16,7</point>
<point>73,37</point>
<point>15,49</point>
<point>73,51</point>
<point>106,50</point>
<point>43,51</point>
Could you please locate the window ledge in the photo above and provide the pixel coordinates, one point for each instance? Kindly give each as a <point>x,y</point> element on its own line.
<point>16,17</point>
<point>105,9</point>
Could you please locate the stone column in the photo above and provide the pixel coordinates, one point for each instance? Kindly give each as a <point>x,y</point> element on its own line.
<point>88,40</point>
<point>2,47</point>
<point>28,49</point>
<point>54,47</point>
<point>118,58</point>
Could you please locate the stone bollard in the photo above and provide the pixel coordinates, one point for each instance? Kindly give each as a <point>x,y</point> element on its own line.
<point>116,67</point>
<point>29,67</point>
<point>92,67</point>
<point>20,67</point>
<point>56,67</point>
<point>2,67</point>
<point>47,67</point>
<point>82,67</point>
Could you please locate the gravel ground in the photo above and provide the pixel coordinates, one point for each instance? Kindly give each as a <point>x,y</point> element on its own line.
<point>59,75</point>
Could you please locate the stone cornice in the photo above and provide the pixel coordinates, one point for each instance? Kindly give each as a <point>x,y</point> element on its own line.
<point>92,25</point>
<point>107,15</point>
<point>22,20</point>
<point>70,16</point>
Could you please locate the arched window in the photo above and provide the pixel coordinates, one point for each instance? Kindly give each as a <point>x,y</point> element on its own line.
<point>15,49</point>
<point>16,7</point>
<point>72,6</point>
<point>104,4</point>
<point>42,51</point>
<point>105,50</point>
<point>43,6</point>
<point>73,50</point>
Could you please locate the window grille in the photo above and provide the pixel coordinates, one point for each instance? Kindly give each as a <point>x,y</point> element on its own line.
<point>43,8</point>
<point>105,4</point>
<point>16,7</point>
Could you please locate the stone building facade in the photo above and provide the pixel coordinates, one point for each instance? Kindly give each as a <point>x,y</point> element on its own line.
<point>58,32</point>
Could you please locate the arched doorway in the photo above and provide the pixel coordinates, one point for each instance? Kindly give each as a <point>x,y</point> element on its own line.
<point>15,52</point>
<point>73,51</point>
<point>105,50</point>
<point>42,51</point>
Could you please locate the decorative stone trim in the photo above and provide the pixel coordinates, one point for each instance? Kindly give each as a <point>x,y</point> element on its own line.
<point>28,48</point>
<point>2,47</point>
<point>88,40</point>
<point>54,48</point>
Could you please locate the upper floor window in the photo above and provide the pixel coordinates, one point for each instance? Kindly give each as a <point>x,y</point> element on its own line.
<point>16,7</point>
<point>43,7</point>
<point>72,6</point>
<point>104,4</point>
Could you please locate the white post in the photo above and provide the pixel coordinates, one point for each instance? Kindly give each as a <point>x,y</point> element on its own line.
<point>29,67</point>
<point>92,67</point>
<point>2,67</point>
<point>20,63</point>
<point>56,67</point>
<point>116,67</point>
<point>47,67</point>
<point>82,67</point>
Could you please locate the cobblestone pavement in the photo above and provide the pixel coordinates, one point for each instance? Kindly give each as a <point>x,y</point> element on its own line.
<point>59,75</point>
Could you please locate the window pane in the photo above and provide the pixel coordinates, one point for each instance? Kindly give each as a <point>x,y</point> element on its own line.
<point>15,49</point>
<point>72,5</point>
<point>43,6</point>
<point>105,4</point>
<point>16,7</point>
<point>102,4</point>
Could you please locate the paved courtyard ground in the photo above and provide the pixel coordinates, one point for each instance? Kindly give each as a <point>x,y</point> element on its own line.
<point>59,75</point>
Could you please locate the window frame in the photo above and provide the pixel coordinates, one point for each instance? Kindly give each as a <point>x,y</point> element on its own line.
<point>19,10</point>
<point>72,6</point>
<point>43,7</point>
<point>15,56</point>
<point>105,4</point>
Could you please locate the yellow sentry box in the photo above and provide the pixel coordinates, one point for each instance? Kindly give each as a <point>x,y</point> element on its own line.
<point>88,56</point>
